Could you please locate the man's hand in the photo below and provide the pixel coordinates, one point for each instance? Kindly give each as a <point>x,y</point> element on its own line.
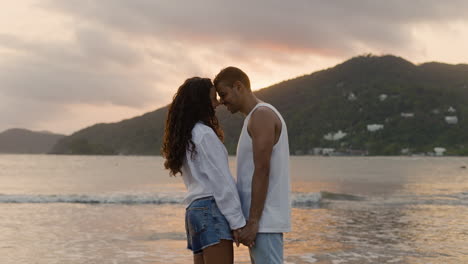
<point>236,234</point>
<point>248,234</point>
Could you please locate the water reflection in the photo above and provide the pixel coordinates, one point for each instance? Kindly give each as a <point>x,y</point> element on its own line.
<point>412,211</point>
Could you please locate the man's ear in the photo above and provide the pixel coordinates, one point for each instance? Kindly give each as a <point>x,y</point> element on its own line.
<point>239,85</point>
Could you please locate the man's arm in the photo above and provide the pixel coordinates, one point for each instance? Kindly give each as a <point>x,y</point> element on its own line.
<point>261,128</point>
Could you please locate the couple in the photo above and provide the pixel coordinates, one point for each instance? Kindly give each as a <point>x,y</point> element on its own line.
<point>256,211</point>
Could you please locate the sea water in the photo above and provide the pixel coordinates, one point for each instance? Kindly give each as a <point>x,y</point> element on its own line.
<point>126,209</point>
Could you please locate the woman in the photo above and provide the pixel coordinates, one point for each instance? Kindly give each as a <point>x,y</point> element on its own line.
<point>192,147</point>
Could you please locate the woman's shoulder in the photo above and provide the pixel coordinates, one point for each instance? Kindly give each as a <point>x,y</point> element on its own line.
<point>201,127</point>
<point>200,130</point>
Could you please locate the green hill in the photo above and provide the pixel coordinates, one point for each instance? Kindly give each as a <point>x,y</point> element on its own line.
<point>331,108</point>
<point>22,141</point>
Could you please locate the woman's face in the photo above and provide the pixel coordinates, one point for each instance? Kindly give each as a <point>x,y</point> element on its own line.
<point>213,97</point>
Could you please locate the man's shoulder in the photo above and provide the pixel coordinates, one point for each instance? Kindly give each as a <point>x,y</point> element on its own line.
<point>265,113</point>
<point>264,110</point>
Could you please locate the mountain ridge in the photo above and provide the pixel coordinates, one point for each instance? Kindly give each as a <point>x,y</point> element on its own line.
<point>409,101</point>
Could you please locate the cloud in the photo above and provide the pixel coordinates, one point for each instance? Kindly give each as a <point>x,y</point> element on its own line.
<point>93,69</point>
<point>41,81</point>
<point>333,28</point>
<point>128,57</point>
<point>16,113</point>
<point>100,46</point>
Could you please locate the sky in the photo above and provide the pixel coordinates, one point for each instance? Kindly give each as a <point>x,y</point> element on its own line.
<point>66,65</point>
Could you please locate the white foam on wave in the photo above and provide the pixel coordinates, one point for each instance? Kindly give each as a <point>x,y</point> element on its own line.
<point>298,199</point>
<point>97,199</point>
<point>306,199</point>
<point>442,200</point>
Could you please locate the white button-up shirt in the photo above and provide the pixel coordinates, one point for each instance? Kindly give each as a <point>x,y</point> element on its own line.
<point>208,174</point>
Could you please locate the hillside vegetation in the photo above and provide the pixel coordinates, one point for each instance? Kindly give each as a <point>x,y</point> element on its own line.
<point>366,105</point>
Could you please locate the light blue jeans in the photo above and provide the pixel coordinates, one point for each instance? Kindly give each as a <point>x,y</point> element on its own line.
<point>268,249</point>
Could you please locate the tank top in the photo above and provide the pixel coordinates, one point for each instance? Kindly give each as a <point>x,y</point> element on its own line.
<point>276,215</point>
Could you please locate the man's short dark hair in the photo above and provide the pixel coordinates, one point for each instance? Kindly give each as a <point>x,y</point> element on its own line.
<point>230,75</point>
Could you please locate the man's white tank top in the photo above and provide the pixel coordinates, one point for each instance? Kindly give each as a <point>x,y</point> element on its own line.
<point>276,216</point>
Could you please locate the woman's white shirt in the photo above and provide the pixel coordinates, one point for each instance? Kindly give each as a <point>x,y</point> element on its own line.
<point>208,174</point>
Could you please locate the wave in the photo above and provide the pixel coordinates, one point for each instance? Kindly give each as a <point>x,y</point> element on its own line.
<point>306,199</point>
<point>455,199</point>
<point>298,199</point>
<point>93,199</point>
<point>341,196</point>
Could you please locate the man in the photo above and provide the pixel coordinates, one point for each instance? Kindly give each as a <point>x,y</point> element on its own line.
<point>263,179</point>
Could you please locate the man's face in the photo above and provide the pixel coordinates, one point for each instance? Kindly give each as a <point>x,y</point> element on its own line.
<point>214,100</point>
<point>229,97</point>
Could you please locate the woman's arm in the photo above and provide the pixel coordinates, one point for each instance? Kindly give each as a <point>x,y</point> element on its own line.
<point>215,164</point>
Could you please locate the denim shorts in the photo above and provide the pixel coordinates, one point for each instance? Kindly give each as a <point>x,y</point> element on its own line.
<point>205,225</point>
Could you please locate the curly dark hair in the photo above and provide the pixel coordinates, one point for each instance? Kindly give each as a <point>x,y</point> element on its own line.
<point>191,104</point>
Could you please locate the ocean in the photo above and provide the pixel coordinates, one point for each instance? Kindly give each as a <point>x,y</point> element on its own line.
<point>126,209</point>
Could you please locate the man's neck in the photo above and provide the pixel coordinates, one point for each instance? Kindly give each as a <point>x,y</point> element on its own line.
<point>250,102</point>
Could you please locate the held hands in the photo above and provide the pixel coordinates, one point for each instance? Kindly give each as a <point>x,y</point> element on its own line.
<point>236,234</point>
<point>246,235</point>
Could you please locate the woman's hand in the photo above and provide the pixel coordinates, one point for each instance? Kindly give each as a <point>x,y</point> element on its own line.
<point>235,235</point>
